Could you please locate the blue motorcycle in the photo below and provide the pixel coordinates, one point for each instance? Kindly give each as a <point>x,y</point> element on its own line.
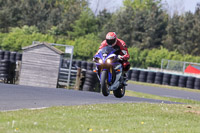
<point>109,70</point>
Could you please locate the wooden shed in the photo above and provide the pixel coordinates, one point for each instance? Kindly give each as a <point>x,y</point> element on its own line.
<point>40,65</point>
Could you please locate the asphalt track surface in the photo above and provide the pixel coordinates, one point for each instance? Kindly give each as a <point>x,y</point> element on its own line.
<point>14,97</point>
<point>164,92</point>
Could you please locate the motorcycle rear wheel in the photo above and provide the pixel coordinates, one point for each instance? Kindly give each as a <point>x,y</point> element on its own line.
<point>120,92</point>
<point>104,85</point>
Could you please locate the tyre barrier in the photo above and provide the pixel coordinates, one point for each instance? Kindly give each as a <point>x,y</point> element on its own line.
<point>90,66</point>
<point>159,78</point>
<point>151,77</point>
<point>182,81</point>
<point>166,79</point>
<point>129,74</point>
<point>1,54</point>
<point>174,80</point>
<point>63,76</point>
<point>84,65</point>
<point>143,76</point>
<point>135,75</point>
<point>190,82</point>
<point>6,55</point>
<point>7,71</point>
<point>91,82</point>
<point>13,56</point>
<point>78,64</point>
<point>197,83</point>
<point>18,56</point>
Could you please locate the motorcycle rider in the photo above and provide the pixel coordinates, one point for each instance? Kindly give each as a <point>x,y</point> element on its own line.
<point>116,43</point>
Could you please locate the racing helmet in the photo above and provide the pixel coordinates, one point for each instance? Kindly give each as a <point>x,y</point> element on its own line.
<point>111,38</point>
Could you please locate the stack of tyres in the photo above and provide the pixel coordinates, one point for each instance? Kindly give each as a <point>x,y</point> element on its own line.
<point>65,64</point>
<point>129,74</point>
<point>90,65</point>
<point>13,56</point>
<point>74,64</point>
<point>159,78</point>
<point>91,82</point>
<point>82,79</point>
<point>182,81</point>
<point>135,75</point>
<point>151,77</point>
<point>190,82</point>
<point>1,55</point>
<point>166,79</point>
<point>197,83</point>
<point>18,56</point>
<point>78,64</point>
<point>84,65</point>
<point>6,55</point>
<point>4,69</point>
<point>143,76</point>
<point>174,80</point>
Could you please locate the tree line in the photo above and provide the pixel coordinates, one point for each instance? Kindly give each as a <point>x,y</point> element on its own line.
<point>144,25</point>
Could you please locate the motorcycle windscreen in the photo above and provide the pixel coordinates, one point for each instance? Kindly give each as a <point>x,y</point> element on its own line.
<point>107,50</point>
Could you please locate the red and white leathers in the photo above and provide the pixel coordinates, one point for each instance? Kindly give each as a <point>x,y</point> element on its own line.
<point>120,44</point>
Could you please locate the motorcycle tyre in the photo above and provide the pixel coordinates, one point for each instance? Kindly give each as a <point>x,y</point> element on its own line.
<point>120,92</point>
<point>104,86</point>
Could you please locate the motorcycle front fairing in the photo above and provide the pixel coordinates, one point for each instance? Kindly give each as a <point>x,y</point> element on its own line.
<point>106,60</point>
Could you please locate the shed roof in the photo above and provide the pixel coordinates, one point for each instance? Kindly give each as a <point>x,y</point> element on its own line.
<point>47,45</point>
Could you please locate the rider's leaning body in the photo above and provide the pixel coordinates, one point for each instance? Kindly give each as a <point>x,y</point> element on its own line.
<point>113,41</point>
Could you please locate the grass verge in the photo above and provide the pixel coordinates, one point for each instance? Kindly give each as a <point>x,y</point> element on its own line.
<point>164,86</point>
<point>111,118</point>
<point>150,96</point>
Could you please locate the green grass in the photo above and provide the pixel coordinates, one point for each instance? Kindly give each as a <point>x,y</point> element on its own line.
<point>150,96</point>
<point>164,86</point>
<point>111,118</point>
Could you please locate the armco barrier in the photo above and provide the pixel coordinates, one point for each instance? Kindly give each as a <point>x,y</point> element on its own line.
<point>149,76</point>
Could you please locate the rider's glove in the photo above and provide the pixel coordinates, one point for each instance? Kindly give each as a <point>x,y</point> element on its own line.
<point>120,57</point>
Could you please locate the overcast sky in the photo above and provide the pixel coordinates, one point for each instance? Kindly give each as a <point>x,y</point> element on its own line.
<point>110,5</point>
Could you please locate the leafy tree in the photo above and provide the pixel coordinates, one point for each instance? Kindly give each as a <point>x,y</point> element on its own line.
<point>71,13</point>
<point>85,47</point>
<point>142,4</point>
<point>86,24</point>
<point>43,14</point>
<point>102,18</point>
<point>183,34</point>
<point>18,38</point>
<point>9,14</point>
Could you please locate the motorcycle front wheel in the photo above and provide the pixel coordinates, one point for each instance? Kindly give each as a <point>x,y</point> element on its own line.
<point>119,93</point>
<point>104,85</point>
